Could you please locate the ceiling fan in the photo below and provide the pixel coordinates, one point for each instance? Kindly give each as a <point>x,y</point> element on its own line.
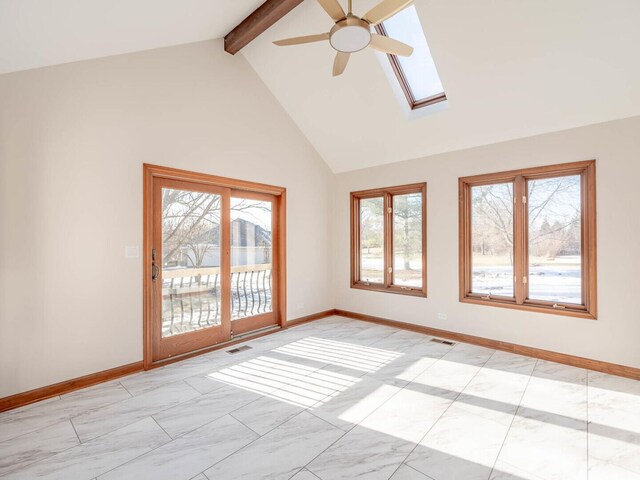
<point>351,33</point>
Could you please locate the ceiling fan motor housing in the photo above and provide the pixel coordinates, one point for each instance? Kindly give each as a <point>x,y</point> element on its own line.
<point>350,35</point>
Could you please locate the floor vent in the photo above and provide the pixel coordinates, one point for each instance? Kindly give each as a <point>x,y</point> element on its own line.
<point>239,349</point>
<point>444,342</point>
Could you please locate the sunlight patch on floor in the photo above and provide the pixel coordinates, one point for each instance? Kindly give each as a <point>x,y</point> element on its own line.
<point>343,354</point>
<point>287,381</point>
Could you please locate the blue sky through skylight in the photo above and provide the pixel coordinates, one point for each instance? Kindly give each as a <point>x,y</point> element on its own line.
<point>419,68</point>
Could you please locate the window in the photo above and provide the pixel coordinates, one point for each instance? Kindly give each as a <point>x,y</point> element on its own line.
<point>528,239</point>
<point>388,239</point>
<point>417,73</point>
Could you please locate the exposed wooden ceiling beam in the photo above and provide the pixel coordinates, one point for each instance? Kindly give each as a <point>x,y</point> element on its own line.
<point>262,18</point>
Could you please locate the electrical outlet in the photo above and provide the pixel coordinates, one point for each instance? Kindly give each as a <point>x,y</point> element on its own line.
<point>442,316</point>
<point>300,306</point>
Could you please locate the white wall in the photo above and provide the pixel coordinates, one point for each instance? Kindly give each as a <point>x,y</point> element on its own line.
<point>73,139</point>
<point>614,337</point>
<point>72,142</point>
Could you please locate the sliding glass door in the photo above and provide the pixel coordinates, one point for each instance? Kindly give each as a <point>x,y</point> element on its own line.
<point>213,270</point>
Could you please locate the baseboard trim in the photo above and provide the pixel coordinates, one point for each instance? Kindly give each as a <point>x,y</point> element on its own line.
<point>574,361</point>
<point>35,395</point>
<point>32,396</point>
<point>310,318</point>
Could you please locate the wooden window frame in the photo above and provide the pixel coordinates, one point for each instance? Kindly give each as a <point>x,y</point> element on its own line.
<point>388,194</point>
<point>414,103</point>
<point>587,171</point>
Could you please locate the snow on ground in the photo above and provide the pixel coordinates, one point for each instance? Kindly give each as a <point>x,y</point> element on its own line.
<point>555,283</point>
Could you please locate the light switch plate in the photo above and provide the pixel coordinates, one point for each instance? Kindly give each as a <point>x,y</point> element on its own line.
<point>132,252</point>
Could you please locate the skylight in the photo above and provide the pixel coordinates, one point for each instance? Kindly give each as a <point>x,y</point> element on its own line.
<point>417,74</point>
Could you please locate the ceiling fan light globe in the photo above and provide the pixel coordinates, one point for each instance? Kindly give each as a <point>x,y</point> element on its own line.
<point>350,35</point>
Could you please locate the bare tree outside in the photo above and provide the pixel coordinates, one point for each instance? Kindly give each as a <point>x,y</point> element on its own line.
<point>492,239</point>
<point>191,222</point>
<point>372,239</point>
<point>191,277</point>
<point>555,242</point>
<point>186,217</point>
<point>554,239</point>
<point>190,296</point>
<point>407,239</point>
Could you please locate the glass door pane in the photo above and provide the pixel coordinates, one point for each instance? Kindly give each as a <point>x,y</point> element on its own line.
<point>555,239</point>
<point>372,240</point>
<point>492,239</point>
<point>251,257</point>
<point>191,266</point>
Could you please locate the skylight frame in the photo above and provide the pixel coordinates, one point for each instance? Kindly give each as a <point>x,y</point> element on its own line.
<point>414,103</point>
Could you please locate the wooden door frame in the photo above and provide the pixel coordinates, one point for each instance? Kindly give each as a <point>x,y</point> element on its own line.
<point>279,248</point>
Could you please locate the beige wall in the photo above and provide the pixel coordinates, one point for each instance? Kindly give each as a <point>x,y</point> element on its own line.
<point>73,139</point>
<point>72,142</point>
<point>614,337</point>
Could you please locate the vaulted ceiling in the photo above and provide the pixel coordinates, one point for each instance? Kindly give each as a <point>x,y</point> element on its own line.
<point>37,33</point>
<point>510,68</point>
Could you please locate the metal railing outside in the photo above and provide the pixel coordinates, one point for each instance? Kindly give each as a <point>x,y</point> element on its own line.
<point>191,297</point>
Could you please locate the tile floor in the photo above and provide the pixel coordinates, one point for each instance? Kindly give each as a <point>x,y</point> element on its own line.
<point>336,399</point>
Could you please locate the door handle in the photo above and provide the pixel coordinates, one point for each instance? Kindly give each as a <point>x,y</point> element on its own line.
<point>155,271</point>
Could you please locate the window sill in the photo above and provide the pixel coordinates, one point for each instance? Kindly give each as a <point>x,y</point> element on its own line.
<point>412,292</point>
<point>530,307</point>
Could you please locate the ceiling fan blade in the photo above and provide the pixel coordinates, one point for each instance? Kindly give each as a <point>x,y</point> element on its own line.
<point>389,45</point>
<point>340,63</point>
<point>300,40</point>
<point>333,8</point>
<point>384,10</point>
